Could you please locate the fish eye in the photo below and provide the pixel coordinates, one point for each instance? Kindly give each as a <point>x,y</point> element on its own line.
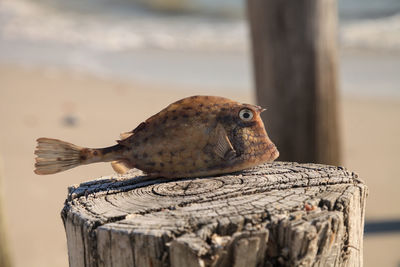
<point>246,114</point>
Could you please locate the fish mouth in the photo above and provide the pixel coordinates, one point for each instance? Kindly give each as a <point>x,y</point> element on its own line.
<point>272,151</point>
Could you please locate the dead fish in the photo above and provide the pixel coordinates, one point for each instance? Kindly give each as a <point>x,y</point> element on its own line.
<point>195,136</point>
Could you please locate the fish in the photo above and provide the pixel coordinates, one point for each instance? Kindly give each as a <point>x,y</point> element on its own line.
<point>196,136</point>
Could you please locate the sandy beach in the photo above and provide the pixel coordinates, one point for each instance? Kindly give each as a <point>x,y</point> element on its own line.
<point>85,71</point>
<point>92,111</point>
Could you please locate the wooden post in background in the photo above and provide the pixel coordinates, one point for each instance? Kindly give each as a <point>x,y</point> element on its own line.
<point>5,260</point>
<point>295,63</point>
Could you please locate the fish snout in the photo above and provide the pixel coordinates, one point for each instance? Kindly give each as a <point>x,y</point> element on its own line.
<point>272,151</point>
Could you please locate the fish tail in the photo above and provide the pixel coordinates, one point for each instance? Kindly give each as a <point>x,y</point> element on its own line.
<point>55,156</point>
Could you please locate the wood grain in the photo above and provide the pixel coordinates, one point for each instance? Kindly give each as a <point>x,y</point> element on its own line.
<point>285,214</point>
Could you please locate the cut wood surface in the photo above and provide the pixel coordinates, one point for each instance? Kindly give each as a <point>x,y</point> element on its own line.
<point>277,214</point>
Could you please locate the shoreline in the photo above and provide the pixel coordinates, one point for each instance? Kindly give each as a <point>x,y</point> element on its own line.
<point>361,72</point>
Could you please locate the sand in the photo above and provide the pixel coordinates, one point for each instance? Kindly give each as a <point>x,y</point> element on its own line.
<point>90,111</point>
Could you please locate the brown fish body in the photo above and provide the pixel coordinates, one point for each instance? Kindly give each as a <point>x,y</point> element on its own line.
<point>196,136</point>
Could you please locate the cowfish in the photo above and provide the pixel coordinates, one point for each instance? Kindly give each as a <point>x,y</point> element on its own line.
<point>193,137</point>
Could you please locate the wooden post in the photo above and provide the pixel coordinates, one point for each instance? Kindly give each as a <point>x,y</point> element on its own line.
<point>5,259</point>
<point>285,214</point>
<point>295,65</point>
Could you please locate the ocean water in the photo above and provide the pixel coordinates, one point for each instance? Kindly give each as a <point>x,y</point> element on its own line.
<point>194,43</point>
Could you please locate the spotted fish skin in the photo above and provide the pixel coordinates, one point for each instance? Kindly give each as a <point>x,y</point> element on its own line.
<point>195,136</point>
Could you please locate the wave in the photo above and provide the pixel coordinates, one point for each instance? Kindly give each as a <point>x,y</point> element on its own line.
<point>382,33</point>
<point>107,28</point>
<point>119,31</point>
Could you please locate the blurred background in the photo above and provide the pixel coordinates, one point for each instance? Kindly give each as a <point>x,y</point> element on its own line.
<point>86,70</point>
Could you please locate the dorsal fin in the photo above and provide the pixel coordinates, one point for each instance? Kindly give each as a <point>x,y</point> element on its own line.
<point>125,135</point>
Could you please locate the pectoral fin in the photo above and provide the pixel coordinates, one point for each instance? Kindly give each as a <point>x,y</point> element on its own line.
<point>221,145</point>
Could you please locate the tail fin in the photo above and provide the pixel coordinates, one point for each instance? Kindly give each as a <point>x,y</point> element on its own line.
<point>55,156</point>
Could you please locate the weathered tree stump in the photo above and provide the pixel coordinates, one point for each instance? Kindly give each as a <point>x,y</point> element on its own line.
<point>278,214</point>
